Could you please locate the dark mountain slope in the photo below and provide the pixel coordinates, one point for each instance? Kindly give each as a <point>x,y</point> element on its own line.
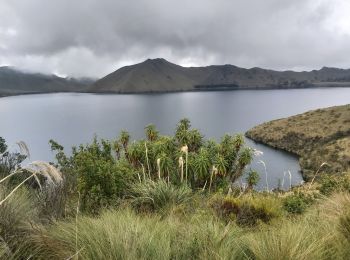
<point>159,75</point>
<point>13,82</point>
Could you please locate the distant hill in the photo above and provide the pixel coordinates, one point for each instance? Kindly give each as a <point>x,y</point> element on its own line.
<point>317,136</point>
<point>159,75</point>
<point>14,81</point>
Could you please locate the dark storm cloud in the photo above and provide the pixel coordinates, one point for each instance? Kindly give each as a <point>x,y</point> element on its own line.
<point>92,38</point>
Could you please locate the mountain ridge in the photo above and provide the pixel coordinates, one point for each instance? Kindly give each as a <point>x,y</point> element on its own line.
<point>14,82</point>
<point>160,75</point>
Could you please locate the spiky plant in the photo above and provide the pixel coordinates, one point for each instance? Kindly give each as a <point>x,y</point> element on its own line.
<point>221,165</point>
<point>124,139</point>
<point>151,132</point>
<point>202,166</point>
<point>252,179</point>
<point>245,158</point>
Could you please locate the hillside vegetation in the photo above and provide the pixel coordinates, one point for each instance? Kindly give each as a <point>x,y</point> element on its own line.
<point>318,136</point>
<point>164,197</point>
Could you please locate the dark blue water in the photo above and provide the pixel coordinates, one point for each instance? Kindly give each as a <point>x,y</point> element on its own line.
<point>72,119</point>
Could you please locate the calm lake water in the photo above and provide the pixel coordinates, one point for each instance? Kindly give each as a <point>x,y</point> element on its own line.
<point>72,119</point>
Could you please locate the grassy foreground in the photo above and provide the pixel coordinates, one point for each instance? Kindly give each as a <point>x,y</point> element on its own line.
<point>164,198</point>
<point>182,231</point>
<point>318,136</point>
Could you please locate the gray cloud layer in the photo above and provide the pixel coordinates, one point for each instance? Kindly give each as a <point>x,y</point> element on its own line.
<point>94,37</point>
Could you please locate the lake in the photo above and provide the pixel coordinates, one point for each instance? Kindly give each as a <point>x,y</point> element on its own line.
<point>71,118</point>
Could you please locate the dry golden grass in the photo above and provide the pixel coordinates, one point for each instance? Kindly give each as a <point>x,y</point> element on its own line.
<point>317,136</point>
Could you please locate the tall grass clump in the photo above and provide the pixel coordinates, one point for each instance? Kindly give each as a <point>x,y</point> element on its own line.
<point>125,235</point>
<point>334,215</point>
<point>289,240</point>
<point>159,195</point>
<point>17,214</point>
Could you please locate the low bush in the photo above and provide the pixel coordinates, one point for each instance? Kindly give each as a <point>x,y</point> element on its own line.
<point>100,178</point>
<point>330,184</point>
<point>297,202</point>
<point>248,210</point>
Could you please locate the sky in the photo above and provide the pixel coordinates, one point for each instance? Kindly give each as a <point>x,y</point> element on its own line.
<point>91,38</point>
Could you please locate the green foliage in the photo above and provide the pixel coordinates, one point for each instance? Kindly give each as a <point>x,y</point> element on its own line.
<point>334,183</point>
<point>100,178</point>
<point>124,139</point>
<point>151,132</point>
<point>252,179</point>
<point>298,202</point>
<point>201,167</point>
<point>9,160</point>
<point>103,169</point>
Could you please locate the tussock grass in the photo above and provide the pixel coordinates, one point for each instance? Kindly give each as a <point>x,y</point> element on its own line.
<point>16,217</point>
<point>159,195</point>
<point>125,235</point>
<point>248,210</point>
<point>288,240</point>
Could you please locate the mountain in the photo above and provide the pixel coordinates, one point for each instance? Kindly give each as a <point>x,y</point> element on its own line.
<point>159,75</point>
<point>14,81</point>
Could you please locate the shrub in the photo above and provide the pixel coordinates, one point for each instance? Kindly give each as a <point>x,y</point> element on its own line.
<point>328,185</point>
<point>249,210</point>
<point>334,183</point>
<point>101,180</point>
<point>297,203</point>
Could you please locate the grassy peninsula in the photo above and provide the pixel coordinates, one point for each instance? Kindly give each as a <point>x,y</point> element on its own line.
<point>317,137</point>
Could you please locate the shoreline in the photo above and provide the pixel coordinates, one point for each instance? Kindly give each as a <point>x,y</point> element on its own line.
<point>2,95</point>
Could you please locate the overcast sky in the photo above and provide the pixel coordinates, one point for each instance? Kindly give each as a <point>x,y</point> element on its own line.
<point>95,37</point>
